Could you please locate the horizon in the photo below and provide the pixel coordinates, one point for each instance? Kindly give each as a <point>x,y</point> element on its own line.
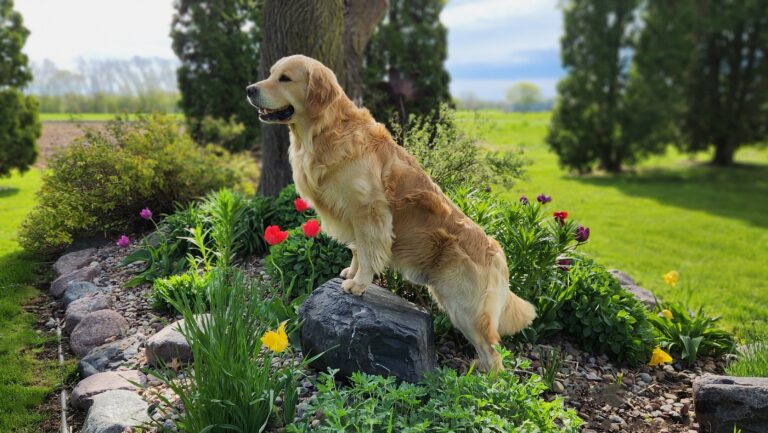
<point>492,44</point>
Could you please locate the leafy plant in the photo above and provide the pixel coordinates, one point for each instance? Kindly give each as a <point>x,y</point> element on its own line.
<point>550,365</point>
<point>160,260</point>
<point>690,335</point>
<point>233,384</point>
<point>165,290</point>
<point>444,401</point>
<point>753,354</point>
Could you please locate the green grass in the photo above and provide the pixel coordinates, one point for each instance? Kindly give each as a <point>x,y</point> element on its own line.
<point>84,117</point>
<point>25,381</point>
<point>672,212</point>
<point>753,356</point>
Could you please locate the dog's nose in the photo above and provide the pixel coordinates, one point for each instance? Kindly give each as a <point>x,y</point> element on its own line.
<point>252,91</point>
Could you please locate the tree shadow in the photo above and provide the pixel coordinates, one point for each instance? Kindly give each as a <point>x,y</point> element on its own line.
<point>739,192</point>
<point>7,191</point>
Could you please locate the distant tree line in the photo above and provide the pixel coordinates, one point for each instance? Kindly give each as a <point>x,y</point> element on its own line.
<point>646,73</point>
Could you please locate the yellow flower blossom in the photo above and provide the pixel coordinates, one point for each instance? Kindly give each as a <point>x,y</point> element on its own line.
<point>276,341</point>
<point>671,278</point>
<point>659,357</point>
<point>667,314</point>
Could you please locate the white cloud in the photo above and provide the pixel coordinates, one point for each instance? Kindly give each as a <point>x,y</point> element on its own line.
<point>475,14</point>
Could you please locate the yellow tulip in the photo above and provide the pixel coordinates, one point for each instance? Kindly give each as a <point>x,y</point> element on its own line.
<point>667,314</point>
<point>671,278</point>
<point>659,357</point>
<point>276,341</point>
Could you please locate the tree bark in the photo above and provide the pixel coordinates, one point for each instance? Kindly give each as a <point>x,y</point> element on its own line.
<point>310,27</point>
<point>360,19</point>
<point>724,153</point>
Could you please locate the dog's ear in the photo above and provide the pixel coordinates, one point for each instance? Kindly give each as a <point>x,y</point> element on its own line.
<point>322,89</point>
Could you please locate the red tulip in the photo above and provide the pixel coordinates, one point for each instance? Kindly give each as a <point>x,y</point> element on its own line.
<point>561,216</point>
<point>300,204</point>
<point>273,235</point>
<point>311,228</point>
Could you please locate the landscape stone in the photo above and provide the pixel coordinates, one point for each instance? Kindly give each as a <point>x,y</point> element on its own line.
<point>168,345</point>
<point>100,358</point>
<point>115,412</point>
<point>85,391</point>
<point>73,261</point>
<point>641,294</point>
<point>60,285</point>
<point>95,329</point>
<point>377,333</point>
<point>723,402</point>
<point>81,307</point>
<point>77,289</point>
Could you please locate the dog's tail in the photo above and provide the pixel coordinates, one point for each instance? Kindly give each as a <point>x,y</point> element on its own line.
<point>517,312</point>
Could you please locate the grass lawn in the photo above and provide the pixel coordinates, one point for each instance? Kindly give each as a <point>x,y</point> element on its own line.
<point>671,212</point>
<point>84,117</point>
<point>25,381</point>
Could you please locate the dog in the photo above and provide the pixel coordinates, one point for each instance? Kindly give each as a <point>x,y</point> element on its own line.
<point>373,196</point>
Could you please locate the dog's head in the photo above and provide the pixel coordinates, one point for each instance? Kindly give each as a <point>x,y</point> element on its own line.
<point>297,86</point>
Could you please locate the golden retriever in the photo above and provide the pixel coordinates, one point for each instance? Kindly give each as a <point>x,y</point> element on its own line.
<point>372,196</point>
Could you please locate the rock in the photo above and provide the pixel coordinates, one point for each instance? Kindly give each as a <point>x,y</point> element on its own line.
<point>51,323</point>
<point>115,411</point>
<point>645,377</point>
<point>558,387</point>
<point>76,290</point>
<point>723,402</point>
<point>169,344</point>
<point>81,307</point>
<point>100,358</point>
<point>95,329</point>
<point>641,294</point>
<point>377,333</point>
<point>73,261</point>
<point>85,391</point>
<point>59,285</point>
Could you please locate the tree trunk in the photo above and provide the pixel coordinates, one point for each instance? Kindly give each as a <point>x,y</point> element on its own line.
<point>310,27</point>
<point>724,153</point>
<point>360,19</point>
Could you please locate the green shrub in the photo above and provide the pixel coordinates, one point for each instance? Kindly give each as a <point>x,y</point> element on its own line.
<point>303,263</point>
<point>19,129</point>
<point>444,402</point>
<point>101,181</point>
<point>453,158</point>
<point>176,287</point>
<point>604,317</point>
<point>233,384</point>
<point>688,336</point>
<point>752,358</point>
<point>284,213</point>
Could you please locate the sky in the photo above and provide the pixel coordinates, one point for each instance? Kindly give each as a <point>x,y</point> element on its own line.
<point>491,43</point>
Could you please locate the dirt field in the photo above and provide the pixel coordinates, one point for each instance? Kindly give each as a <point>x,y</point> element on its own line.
<point>57,135</point>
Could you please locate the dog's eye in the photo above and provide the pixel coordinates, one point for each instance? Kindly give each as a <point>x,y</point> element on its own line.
<point>284,78</point>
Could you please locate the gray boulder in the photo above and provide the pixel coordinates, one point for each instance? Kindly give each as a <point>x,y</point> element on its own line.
<point>169,344</point>
<point>108,355</point>
<point>73,261</point>
<point>723,402</point>
<point>60,285</point>
<point>377,333</point>
<point>85,391</point>
<point>79,308</point>
<point>78,289</point>
<point>641,294</point>
<point>95,329</point>
<point>115,412</point>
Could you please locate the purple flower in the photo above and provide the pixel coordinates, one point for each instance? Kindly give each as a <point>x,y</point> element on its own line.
<point>564,264</point>
<point>543,199</point>
<point>146,213</point>
<point>123,241</point>
<point>523,199</point>
<point>582,234</point>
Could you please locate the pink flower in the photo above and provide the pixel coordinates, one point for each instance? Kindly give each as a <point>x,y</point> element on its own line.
<point>300,204</point>
<point>311,228</point>
<point>123,241</point>
<point>146,213</point>
<point>273,235</point>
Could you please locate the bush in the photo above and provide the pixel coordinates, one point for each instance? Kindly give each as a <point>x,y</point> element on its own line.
<point>101,181</point>
<point>19,129</point>
<point>444,402</point>
<point>165,290</point>
<point>604,317</point>
<point>302,263</point>
<point>453,158</point>
<point>688,335</point>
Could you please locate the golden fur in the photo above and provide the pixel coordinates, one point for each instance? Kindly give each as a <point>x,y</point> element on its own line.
<point>372,196</point>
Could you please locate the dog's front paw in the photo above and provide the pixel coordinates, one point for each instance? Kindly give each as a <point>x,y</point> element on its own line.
<point>347,273</point>
<point>354,287</point>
